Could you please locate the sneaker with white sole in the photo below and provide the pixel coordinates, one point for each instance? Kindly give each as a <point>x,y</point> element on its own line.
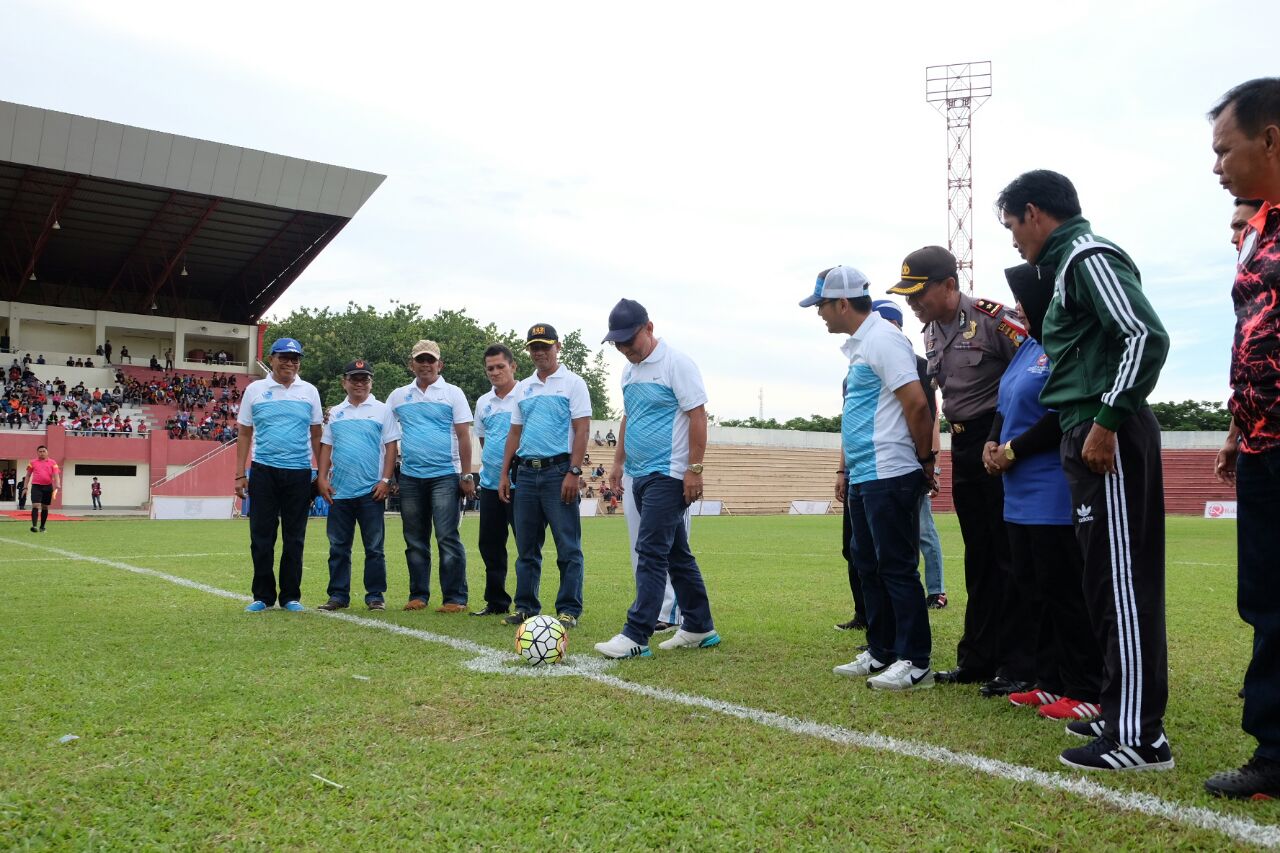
<point>256,607</point>
<point>860,667</point>
<point>1087,729</point>
<point>1105,754</point>
<point>1034,698</point>
<point>902,675</point>
<point>690,640</point>
<point>293,606</point>
<point>622,646</point>
<point>1067,708</point>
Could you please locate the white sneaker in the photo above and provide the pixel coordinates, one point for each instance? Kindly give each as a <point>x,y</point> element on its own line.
<point>861,666</point>
<point>902,676</point>
<point>622,646</point>
<point>689,640</point>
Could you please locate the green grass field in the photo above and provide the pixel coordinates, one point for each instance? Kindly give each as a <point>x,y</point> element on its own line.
<point>201,726</point>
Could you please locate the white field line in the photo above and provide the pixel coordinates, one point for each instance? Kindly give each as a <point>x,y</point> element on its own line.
<point>491,660</point>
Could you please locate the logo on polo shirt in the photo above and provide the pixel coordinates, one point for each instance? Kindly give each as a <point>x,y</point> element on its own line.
<point>340,415</point>
<point>266,395</point>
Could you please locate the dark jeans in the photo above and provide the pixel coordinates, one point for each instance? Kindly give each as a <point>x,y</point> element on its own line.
<point>278,499</point>
<point>855,583</point>
<point>97,502</point>
<point>537,503</point>
<point>496,518</point>
<point>344,515</point>
<point>1258,507</point>
<point>424,501</point>
<point>662,549</point>
<point>885,515</point>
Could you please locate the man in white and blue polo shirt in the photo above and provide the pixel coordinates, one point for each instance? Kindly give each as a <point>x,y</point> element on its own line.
<point>280,419</point>
<point>547,441</point>
<point>888,454</point>
<point>661,442</point>
<point>358,448</point>
<point>493,422</point>
<point>435,468</point>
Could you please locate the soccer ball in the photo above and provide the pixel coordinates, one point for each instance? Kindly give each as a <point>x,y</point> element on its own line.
<point>542,639</point>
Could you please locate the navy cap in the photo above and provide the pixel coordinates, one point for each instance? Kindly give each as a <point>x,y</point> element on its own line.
<point>889,310</point>
<point>625,320</point>
<point>357,366</point>
<point>286,345</point>
<point>542,333</point>
<point>931,263</point>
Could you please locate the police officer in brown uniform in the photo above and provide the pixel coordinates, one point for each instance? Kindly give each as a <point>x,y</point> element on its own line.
<point>969,342</point>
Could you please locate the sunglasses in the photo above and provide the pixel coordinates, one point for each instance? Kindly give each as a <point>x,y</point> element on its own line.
<point>627,344</point>
<point>360,378</point>
<point>288,356</point>
<point>425,358</point>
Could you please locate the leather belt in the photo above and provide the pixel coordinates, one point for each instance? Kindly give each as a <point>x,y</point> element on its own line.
<point>547,462</point>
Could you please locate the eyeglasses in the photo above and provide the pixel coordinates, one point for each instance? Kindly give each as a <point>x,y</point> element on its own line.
<point>425,358</point>
<point>289,356</point>
<point>360,378</point>
<point>627,344</point>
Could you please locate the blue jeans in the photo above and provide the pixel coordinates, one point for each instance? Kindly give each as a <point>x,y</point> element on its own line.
<point>662,550</point>
<point>424,501</point>
<point>886,540</point>
<point>931,548</point>
<point>537,503</point>
<point>344,514</point>
<point>1258,506</point>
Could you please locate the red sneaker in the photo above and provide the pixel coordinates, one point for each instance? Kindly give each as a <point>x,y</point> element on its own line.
<point>1067,708</point>
<point>1033,698</point>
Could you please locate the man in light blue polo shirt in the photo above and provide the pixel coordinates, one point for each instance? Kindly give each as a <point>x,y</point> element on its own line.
<point>493,422</point>
<point>358,447</point>
<point>888,453</point>
<point>435,468</point>
<point>547,441</point>
<point>661,442</point>
<point>279,419</point>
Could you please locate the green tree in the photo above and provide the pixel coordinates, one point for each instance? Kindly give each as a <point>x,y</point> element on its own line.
<point>1190,415</point>
<point>813,423</point>
<point>331,338</point>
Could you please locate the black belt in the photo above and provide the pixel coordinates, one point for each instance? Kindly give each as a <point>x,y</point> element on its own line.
<point>980,422</point>
<point>546,462</point>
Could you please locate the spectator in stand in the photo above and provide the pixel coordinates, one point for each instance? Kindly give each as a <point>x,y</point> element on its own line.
<point>40,360</point>
<point>124,355</point>
<point>155,362</point>
<point>71,362</point>
<point>106,351</point>
<point>598,439</point>
<point>611,439</point>
<point>95,492</point>
<point>168,359</point>
<point>88,362</point>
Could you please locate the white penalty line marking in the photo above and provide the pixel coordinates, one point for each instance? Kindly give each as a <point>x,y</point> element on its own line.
<point>491,660</point>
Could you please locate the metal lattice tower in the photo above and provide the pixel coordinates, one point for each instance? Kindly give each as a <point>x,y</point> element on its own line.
<point>957,91</point>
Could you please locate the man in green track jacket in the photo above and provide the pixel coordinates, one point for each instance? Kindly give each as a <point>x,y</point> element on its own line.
<point>1107,347</point>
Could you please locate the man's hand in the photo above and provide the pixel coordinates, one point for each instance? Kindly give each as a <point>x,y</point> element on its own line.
<point>468,488</point>
<point>1099,451</point>
<point>989,451</point>
<point>999,462</point>
<point>569,488</point>
<point>692,487</point>
<point>381,491</point>
<point>1224,466</point>
<point>504,488</point>
<point>842,486</point>
<point>242,486</point>
<point>325,490</point>
<point>615,479</point>
<point>930,478</point>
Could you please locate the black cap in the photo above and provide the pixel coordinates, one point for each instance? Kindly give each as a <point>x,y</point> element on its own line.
<point>1033,288</point>
<point>625,320</point>
<point>932,263</point>
<point>542,333</point>
<point>357,366</point>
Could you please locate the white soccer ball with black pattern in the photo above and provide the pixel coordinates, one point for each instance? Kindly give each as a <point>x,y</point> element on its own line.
<point>542,639</point>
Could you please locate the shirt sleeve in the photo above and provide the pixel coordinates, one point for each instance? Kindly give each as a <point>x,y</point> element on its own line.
<point>245,416</point>
<point>517,394</point>
<point>579,400</point>
<point>317,409</point>
<point>479,424</point>
<point>326,432</point>
<point>893,361</point>
<point>461,411</point>
<point>686,383</point>
<point>390,426</point>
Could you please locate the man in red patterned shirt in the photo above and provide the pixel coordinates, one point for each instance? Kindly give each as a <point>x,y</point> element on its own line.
<point>1246,142</point>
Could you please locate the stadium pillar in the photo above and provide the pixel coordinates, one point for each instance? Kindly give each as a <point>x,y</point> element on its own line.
<point>56,440</point>
<point>157,457</point>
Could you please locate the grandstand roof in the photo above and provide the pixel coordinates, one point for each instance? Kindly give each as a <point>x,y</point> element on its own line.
<point>118,218</point>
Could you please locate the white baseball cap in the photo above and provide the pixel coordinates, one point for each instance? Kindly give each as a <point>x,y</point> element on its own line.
<point>838,283</point>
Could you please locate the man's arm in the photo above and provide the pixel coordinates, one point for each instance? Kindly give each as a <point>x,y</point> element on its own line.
<point>697,449</point>
<point>577,449</point>
<point>508,456</point>
<point>1224,466</point>
<point>916,411</point>
<point>463,432</point>
<point>619,457</point>
<point>323,467</point>
<point>315,442</point>
<point>391,450</point>
<point>244,441</point>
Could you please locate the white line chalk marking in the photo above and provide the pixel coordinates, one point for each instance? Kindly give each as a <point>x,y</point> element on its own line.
<point>490,660</point>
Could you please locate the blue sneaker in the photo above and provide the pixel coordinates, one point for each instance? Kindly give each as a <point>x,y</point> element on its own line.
<point>256,607</point>
<point>293,606</point>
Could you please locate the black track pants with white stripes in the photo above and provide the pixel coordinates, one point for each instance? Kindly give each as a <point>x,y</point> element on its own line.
<point>1119,522</point>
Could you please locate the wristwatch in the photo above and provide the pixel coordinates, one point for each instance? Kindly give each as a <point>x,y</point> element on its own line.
<point>386,480</point>
<point>696,468</point>
<point>468,478</point>
<point>576,470</point>
<point>1008,451</point>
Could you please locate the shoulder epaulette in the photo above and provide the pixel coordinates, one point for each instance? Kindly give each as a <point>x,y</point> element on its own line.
<point>986,306</point>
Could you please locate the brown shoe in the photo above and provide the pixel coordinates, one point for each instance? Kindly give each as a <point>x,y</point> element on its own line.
<point>451,607</point>
<point>416,604</point>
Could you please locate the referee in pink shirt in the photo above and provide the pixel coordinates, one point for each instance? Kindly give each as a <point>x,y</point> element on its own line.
<point>45,479</point>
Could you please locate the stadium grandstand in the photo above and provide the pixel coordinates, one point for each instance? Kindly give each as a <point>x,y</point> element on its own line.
<point>171,249</point>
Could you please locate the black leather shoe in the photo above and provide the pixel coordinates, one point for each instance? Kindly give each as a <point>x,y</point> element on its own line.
<point>961,675</point>
<point>1001,686</point>
<point>490,610</point>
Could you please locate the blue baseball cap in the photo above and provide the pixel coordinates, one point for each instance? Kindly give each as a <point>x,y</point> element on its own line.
<point>838,283</point>
<point>286,345</point>
<point>889,310</point>
<point>625,320</point>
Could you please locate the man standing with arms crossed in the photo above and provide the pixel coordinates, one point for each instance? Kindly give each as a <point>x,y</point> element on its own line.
<point>358,447</point>
<point>661,442</point>
<point>1107,347</point>
<point>493,422</point>
<point>547,441</point>
<point>280,419</point>
<point>435,467</point>
<point>1246,142</point>
<point>45,478</point>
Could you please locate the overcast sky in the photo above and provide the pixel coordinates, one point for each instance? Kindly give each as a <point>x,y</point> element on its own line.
<point>707,159</point>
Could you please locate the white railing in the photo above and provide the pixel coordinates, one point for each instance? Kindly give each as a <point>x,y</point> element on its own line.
<point>221,448</point>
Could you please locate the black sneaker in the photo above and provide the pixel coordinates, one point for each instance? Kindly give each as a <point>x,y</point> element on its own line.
<point>1105,754</point>
<point>937,601</point>
<point>333,604</point>
<point>33,529</point>
<point>1001,686</point>
<point>490,610</point>
<point>516,618</point>
<point>1087,729</point>
<point>376,604</point>
<point>1259,779</point>
<point>857,623</point>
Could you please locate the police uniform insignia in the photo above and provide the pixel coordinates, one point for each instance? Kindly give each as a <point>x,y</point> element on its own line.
<point>906,270</point>
<point>970,332</point>
<point>1012,332</point>
<point>986,306</point>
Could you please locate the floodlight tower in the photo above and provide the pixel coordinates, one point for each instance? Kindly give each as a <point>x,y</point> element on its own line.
<point>957,91</point>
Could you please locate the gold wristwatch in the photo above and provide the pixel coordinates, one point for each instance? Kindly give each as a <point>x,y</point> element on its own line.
<point>696,468</point>
<point>1008,451</point>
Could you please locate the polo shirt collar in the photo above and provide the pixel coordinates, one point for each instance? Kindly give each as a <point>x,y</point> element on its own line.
<point>559,369</point>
